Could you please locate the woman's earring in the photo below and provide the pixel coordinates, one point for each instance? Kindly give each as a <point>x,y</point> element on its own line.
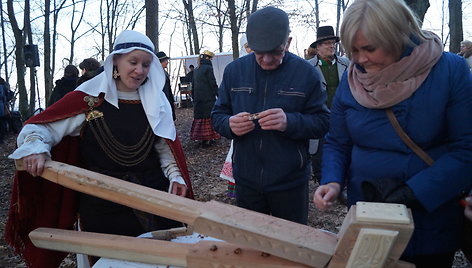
<point>115,73</point>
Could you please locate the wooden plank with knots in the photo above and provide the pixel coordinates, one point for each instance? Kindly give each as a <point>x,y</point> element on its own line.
<point>285,239</point>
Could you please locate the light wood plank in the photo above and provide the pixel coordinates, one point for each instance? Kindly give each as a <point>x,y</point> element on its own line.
<point>285,239</point>
<point>351,228</point>
<point>112,246</point>
<point>372,248</point>
<point>202,254</point>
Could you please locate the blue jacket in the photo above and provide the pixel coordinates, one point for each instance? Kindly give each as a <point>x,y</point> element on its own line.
<point>272,160</point>
<point>363,145</point>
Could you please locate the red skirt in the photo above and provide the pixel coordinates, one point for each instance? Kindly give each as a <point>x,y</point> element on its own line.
<point>202,130</point>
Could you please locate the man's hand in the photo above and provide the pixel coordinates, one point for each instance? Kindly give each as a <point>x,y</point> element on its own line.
<point>273,119</point>
<point>34,164</point>
<point>178,189</point>
<point>240,124</point>
<point>326,194</point>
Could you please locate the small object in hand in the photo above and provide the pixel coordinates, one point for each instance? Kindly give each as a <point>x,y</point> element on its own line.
<point>237,251</point>
<point>253,116</point>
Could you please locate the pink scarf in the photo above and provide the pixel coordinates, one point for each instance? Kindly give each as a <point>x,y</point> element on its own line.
<point>399,80</point>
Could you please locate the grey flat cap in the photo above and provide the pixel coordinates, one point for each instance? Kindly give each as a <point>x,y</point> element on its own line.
<point>267,29</point>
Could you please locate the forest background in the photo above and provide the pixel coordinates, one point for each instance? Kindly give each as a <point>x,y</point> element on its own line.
<point>67,31</point>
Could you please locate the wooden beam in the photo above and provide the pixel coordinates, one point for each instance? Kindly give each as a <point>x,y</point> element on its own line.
<point>112,246</point>
<point>374,216</point>
<point>285,239</point>
<point>202,254</point>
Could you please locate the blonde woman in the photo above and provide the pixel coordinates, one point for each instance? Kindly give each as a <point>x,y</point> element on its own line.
<point>396,65</point>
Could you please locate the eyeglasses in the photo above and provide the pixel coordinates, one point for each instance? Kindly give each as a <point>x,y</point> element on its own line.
<point>329,43</point>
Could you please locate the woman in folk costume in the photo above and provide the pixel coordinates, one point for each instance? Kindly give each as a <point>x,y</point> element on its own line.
<point>204,93</point>
<point>119,123</point>
<point>401,80</point>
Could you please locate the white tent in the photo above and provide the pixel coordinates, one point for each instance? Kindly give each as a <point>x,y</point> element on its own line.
<point>219,63</point>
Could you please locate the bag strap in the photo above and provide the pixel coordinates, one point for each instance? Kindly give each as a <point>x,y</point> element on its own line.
<point>406,139</point>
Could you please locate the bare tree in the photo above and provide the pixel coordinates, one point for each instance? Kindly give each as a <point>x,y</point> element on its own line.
<point>32,73</point>
<point>47,51</point>
<point>20,60</point>
<point>74,28</point>
<point>152,21</point>
<point>455,25</point>
<point>188,5</point>
<point>4,43</point>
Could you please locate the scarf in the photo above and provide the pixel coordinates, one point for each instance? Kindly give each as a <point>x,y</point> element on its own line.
<point>399,80</point>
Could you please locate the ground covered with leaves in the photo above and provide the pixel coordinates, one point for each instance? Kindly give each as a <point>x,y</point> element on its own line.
<point>204,164</point>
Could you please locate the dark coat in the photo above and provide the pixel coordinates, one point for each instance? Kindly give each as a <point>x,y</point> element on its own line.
<point>204,90</point>
<point>63,86</point>
<point>270,160</point>
<point>170,97</point>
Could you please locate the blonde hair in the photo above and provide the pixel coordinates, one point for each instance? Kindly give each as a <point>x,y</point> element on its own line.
<point>385,24</point>
<point>467,43</point>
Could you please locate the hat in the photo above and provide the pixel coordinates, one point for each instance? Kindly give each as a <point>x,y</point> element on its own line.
<point>162,56</point>
<point>208,53</point>
<point>267,29</point>
<point>324,33</point>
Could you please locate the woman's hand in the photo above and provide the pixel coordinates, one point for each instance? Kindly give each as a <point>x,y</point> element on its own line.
<point>326,194</point>
<point>178,189</point>
<point>34,164</point>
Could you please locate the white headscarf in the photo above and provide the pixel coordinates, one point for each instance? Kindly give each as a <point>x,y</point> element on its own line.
<point>153,99</point>
<point>242,42</point>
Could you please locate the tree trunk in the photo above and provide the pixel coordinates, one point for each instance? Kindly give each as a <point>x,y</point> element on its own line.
<point>4,43</point>
<point>47,51</point>
<point>234,28</point>
<point>152,21</point>
<point>419,7</point>
<point>20,60</point>
<point>192,24</point>
<point>32,72</point>
<point>455,25</point>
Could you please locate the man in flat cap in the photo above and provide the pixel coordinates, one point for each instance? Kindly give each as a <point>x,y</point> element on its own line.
<point>271,103</point>
<point>331,68</point>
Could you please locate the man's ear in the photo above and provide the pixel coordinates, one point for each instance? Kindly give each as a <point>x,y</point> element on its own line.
<point>289,41</point>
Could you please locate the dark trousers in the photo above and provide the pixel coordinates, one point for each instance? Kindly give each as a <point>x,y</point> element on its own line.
<point>432,261</point>
<point>290,204</point>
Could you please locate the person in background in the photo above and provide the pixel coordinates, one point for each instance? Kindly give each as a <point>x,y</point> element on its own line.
<point>270,103</point>
<point>397,67</point>
<point>4,111</point>
<point>204,92</point>
<point>164,60</point>
<point>64,85</point>
<point>118,123</point>
<point>331,68</point>
<point>310,52</point>
<point>227,170</point>
<point>88,69</point>
<point>189,75</point>
<point>466,52</point>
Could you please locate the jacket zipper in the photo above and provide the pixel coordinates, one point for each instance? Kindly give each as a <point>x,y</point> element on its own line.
<point>260,144</point>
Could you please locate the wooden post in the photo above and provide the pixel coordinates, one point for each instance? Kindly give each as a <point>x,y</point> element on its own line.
<point>373,235</point>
